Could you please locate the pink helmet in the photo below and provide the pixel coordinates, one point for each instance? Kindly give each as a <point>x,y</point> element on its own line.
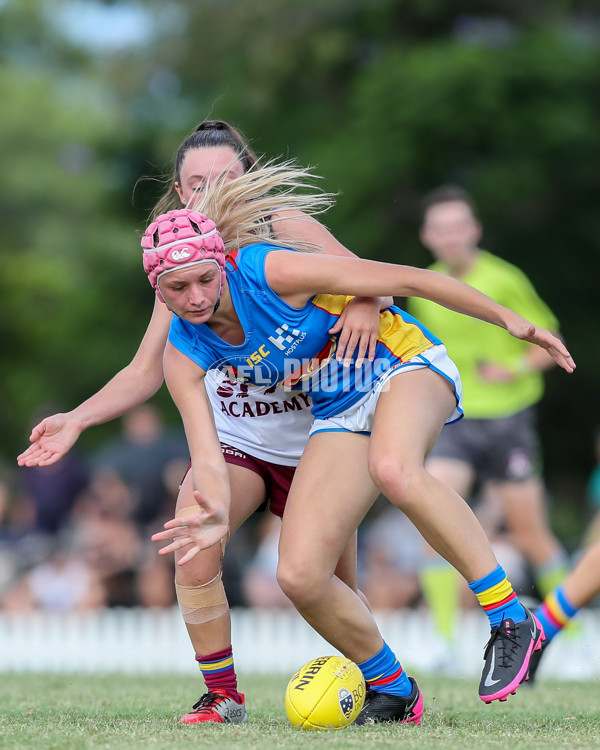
<point>179,239</point>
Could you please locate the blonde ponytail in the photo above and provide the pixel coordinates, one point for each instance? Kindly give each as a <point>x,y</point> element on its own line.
<point>246,208</point>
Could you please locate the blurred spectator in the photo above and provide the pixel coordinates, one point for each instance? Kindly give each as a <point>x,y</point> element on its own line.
<point>80,538</point>
<point>14,522</point>
<point>53,490</point>
<point>101,558</point>
<point>258,580</point>
<point>390,556</point>
<point>154,582</point>
<point>145,456</point>
<point>63,583</point>
<point>103,534</point>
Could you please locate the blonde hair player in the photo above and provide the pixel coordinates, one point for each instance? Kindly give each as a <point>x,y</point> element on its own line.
<point>267,315</point>
<point>262,432</point>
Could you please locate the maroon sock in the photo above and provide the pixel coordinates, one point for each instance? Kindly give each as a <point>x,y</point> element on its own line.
<point>219,673</point>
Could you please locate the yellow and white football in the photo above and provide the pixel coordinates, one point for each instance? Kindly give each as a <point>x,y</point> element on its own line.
<point>327,693</point>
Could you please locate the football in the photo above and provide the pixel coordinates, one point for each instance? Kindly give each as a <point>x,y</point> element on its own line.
<point>327,693</point>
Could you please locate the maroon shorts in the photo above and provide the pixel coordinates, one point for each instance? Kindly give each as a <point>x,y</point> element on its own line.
<point>277,478</point>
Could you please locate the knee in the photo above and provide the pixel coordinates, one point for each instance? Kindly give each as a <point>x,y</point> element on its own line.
<point>298,583</point>
<point>200,569</point>
<point>201,604</point>
<point>199,575</point>
<point>401,483</point>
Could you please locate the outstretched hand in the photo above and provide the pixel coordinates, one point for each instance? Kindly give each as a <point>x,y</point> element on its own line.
<point>197,531</point>
<point>50,440</point>
<point>548,341</point>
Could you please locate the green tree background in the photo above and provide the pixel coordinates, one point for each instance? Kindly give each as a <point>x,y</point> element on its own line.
<point>386,99</point>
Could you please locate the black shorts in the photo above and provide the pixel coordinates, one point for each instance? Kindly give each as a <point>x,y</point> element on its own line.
<point>505,449</point>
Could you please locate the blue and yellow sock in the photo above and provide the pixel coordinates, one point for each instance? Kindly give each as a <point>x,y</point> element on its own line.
<point>496,596</point>
<point>384,674</point>
<point>555,612</point>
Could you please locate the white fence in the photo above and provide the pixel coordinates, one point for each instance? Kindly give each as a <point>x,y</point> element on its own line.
<point>152,641</point>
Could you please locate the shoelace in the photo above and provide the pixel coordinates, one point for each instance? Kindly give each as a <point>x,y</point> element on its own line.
<point>207,702</point>
<point>507,645</point>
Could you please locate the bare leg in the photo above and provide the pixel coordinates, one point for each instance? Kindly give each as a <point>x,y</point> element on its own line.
<point>332,492</point>
<point>247,493</point>
<point>409,417</point>
<point>330,495</point>
<point>418,402</point>
<point>443,589</point>
<point>208,618</point>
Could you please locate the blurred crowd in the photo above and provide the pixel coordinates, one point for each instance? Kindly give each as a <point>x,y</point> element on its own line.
<point>75,536</point>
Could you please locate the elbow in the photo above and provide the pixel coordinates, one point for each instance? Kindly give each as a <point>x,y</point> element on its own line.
<point>149,376</point>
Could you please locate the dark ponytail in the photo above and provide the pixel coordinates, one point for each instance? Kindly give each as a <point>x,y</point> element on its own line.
<point>208,134</point>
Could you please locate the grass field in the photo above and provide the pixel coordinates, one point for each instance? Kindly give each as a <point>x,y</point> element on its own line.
<point>61,712</point>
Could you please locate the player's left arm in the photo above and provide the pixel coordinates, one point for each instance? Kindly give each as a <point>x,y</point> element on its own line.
<point>358,325</point>
<point>297,277</point>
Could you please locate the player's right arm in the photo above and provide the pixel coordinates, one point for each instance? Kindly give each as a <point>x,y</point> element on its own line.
<point>210,524</point>
<point>54,436</point>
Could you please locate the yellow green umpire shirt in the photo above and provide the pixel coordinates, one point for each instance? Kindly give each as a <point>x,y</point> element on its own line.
<point>471,342</point>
